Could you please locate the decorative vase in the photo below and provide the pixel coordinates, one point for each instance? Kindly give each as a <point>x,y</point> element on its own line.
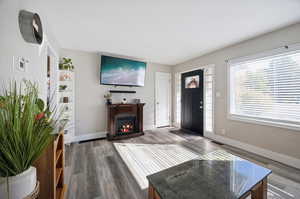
<point>65,100</point>
<point>20,185</point>
<point>108,101</point>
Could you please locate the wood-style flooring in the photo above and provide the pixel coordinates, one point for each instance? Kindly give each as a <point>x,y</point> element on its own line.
<point>94,170</point>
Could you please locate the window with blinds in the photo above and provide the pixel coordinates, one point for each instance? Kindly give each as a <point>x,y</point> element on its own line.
<point>266,88</point>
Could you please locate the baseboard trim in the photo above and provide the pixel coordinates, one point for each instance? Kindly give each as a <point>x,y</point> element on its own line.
<point>89,136</point>
<point>288,160</point>
<point>149,127</point>
<point>97,135</point>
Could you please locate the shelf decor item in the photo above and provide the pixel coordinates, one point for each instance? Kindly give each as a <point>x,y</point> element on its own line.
<point>66,64</point>
<point>108,98</point>
<point>26,128</point>
<point>124,101</point>
<point>137,101</point>
<point>65,77</point>
<point>62,87</point>
<point>65,100</point>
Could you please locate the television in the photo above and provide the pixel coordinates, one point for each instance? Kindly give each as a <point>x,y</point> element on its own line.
<point>122,72</point>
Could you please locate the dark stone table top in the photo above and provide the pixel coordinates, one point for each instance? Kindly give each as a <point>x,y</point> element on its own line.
<point>208,179</point>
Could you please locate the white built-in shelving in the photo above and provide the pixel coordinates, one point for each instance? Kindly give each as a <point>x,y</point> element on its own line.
<point>66,102</point>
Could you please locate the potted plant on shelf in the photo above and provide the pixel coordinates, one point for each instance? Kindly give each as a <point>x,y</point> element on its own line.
<point>108,98</point>
<point>62,87</point>
<point>26,129</point>
<point>66,64</point>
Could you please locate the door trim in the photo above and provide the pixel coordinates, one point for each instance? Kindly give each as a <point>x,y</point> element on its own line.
<point>178,125</point>
<point>170,98</point>
<point>54,87</point>
<point>198,94</point>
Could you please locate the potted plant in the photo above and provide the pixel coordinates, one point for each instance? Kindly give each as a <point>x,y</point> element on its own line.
<point>108,98</point>
<point>26,129</point>
<point>66,64</point>
<point>62,87</point>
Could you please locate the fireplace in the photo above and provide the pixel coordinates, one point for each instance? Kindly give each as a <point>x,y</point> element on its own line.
<point>126,125</point>
<point>124,121</point>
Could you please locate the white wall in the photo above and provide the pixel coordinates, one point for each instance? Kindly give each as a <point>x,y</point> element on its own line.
<point>271,138</point>
<point>90,110</point>
<point>13,45</point>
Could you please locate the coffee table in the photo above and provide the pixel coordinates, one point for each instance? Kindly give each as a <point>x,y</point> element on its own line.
<point>210,179</point>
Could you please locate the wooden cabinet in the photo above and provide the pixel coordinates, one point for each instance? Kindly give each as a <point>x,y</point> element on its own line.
<point>50,170</point>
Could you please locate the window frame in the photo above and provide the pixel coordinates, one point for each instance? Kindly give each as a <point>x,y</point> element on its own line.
<point>258,120</point>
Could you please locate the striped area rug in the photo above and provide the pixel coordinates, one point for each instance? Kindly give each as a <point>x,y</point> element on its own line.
<point>146,159</point>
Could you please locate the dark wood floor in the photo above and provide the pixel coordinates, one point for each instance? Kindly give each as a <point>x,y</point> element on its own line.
<point>95,170</point>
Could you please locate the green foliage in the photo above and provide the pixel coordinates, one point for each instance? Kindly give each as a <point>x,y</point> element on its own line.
<point>40,103</point>
<point>62,87</point>
<point>26,128</point>
<point>108,96</point>
<point>66,64</point>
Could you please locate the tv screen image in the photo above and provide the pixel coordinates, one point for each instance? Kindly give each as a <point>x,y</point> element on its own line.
<point>122,72</point>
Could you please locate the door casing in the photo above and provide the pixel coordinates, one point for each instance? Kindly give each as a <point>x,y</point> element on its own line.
<point>192,103</point>
<point>158,85</point>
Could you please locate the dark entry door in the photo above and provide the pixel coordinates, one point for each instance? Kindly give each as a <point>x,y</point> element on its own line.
<point>192,106</point>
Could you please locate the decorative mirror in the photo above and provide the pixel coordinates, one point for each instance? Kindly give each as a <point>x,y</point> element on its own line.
<point>31,27</point>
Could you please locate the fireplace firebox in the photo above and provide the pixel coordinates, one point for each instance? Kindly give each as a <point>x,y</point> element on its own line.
<point>126,125</point>
<point>124,121</point>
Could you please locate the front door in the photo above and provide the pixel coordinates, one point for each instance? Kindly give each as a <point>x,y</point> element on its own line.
<point>192,101</point>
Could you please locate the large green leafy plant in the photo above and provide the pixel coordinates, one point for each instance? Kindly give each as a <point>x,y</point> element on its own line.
<point>26,127</point>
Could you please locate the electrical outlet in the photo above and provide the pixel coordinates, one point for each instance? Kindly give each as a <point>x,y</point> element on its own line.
<point>223,131</point>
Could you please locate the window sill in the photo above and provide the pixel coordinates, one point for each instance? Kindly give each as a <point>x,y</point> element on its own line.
<point>278,124</point>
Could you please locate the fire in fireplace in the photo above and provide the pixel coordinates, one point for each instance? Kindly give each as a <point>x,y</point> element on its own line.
<point>127,128</point>
<point>126,124</point>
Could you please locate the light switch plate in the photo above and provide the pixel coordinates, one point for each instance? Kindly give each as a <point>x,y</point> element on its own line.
<point>20,64</point>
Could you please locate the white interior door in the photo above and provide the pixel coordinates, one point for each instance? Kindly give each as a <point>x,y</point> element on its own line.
<point>162,99</point>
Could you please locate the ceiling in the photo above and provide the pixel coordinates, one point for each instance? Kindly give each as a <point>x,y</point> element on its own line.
<point>164,31</point>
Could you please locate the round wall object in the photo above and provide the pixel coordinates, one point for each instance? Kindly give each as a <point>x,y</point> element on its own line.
<point>31,27</point>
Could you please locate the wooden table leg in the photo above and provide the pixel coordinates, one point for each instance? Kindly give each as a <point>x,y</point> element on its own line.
<point>152,194</point>
<point>260,191</point>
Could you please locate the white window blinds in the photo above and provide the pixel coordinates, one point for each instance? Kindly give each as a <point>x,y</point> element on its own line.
<point>267,88</point>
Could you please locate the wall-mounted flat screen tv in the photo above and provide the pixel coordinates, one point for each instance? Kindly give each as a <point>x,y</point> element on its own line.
<point>122,72</point>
